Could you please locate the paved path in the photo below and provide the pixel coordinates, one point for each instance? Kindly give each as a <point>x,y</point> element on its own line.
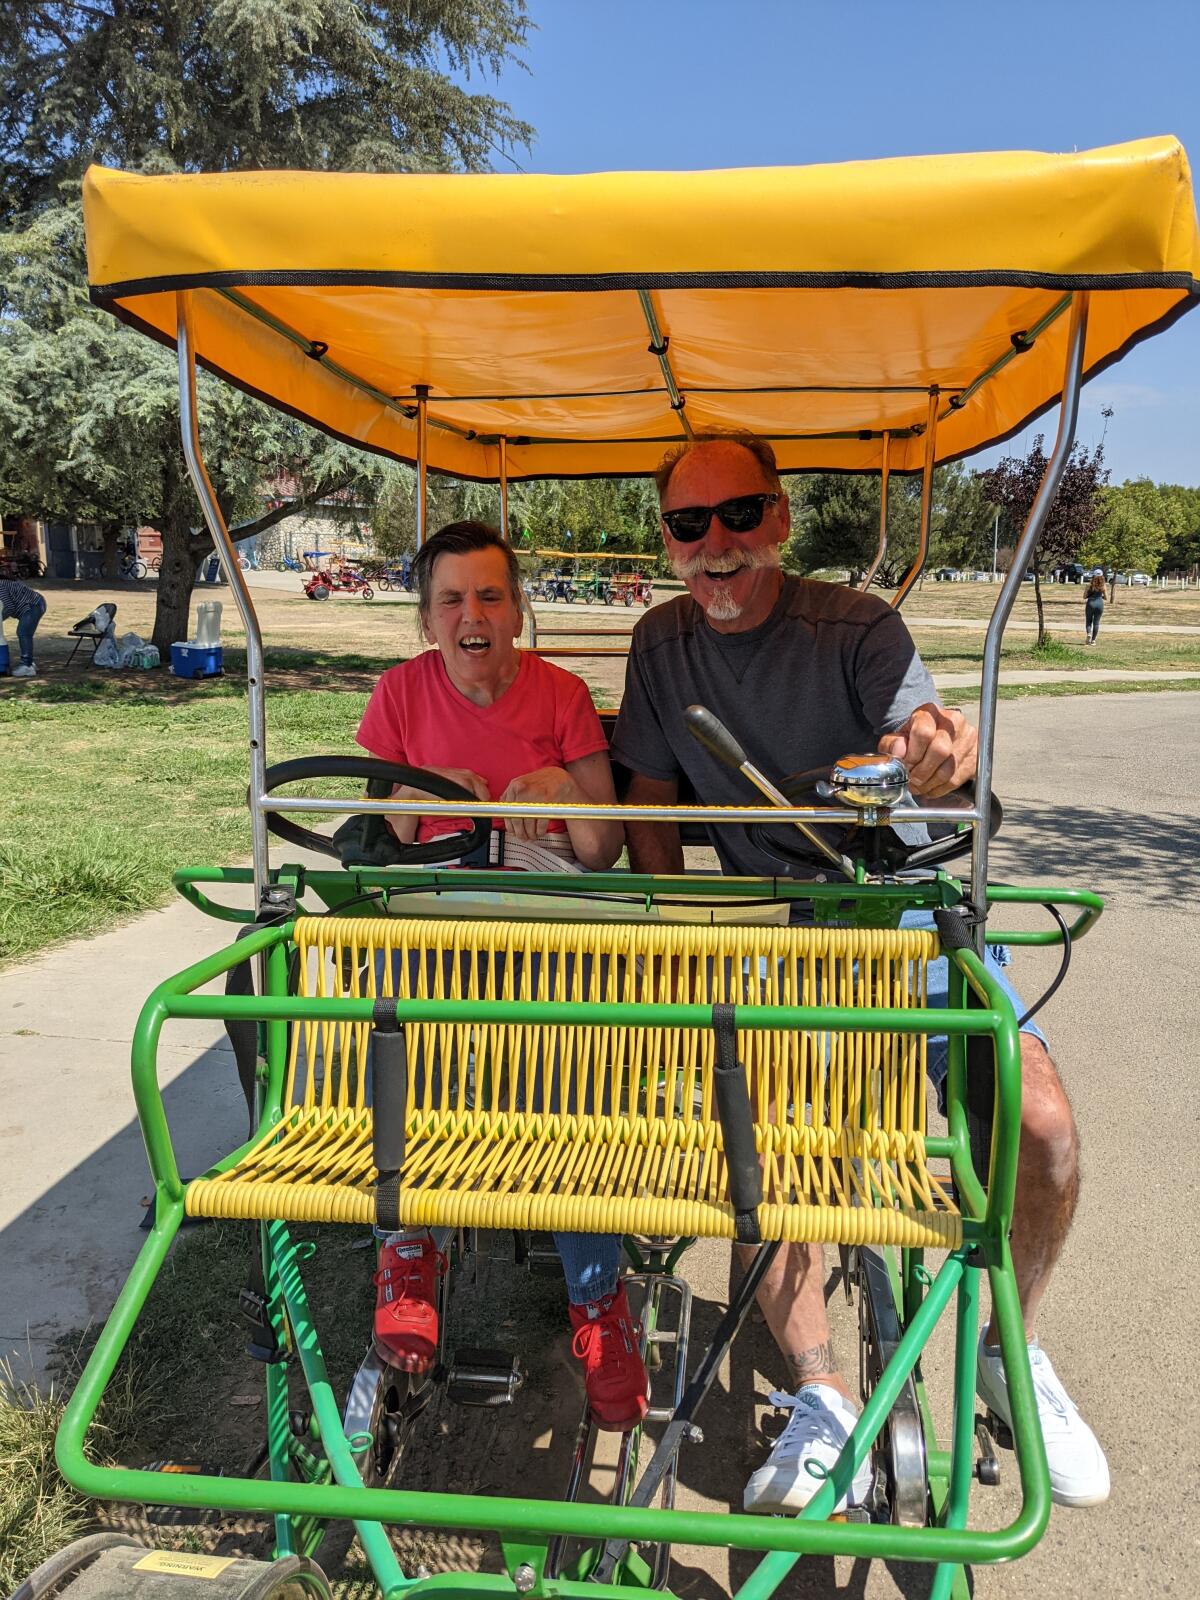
<point>1083,805</point>
<point>965,680</point>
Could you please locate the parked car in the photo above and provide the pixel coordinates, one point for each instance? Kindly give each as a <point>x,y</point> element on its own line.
<point>1141,580</point>
<point>947,575</point>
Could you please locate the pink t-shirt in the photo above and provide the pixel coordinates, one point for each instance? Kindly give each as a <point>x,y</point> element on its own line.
<point>545,718</point>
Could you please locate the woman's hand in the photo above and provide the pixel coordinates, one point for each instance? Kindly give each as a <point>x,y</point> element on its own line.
<point>545,786</point>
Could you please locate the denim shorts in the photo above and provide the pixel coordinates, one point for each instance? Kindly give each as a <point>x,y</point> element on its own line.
<point>996,958</point>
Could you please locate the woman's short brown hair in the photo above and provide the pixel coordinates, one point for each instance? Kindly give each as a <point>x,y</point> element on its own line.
<point>459,539</point>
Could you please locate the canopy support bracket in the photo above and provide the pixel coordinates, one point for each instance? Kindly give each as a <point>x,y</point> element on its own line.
<point>881,549</point>
<point>918,566</point>
<point>659,344</point>
<point>236,579</point>
<point>1036,521</point>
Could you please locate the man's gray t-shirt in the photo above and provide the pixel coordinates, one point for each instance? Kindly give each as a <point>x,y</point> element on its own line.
<point>825,675</point>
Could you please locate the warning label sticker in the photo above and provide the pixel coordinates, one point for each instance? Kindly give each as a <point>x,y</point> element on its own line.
<point>183,1564</point>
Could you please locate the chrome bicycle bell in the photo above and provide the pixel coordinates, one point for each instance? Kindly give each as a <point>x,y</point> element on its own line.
<point>869,781</point>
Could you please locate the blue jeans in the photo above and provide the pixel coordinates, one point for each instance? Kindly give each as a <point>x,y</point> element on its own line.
<point>27,623</point>
<point>590,1261</point>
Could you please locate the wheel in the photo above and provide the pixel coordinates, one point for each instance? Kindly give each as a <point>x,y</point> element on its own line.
<point>367,592</point>
<point>282,566</point>
<point>382,1405</point>
<point>385,585</point>
<point>317,592</point>
<point>647,597</point>
<point>627,598</point>
<point>155,563</point>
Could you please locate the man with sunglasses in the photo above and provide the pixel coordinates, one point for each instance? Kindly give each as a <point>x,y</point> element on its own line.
<point>802,673</point>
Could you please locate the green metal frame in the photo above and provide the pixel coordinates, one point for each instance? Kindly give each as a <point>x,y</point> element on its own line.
<point>313,1482</point>
<point>865,903</point>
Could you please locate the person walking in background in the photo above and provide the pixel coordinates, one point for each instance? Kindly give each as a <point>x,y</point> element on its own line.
<point>18,600</point>
<point>1093,608</point>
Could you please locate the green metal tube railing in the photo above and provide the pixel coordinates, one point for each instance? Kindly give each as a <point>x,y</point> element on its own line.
<point>1010,894</point>
<point>372,1537</point>
<point>348,1501</point>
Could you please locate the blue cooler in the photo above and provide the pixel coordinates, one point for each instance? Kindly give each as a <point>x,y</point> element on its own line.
<point>197,660</point>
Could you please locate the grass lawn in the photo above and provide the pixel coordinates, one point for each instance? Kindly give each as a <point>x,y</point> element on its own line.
<point>112,783</point>
<point>115,780</point>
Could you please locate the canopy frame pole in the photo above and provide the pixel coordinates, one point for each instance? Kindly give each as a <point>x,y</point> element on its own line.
<point>659,345</point>
<point>990,684</point>
<point>504,488</point>
<point>881,551</point>
<point>422,391</point>
<point>922,555</point>
<point>236,579</point>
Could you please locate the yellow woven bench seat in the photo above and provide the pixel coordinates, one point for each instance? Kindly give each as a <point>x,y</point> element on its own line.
<point>605,1129</point>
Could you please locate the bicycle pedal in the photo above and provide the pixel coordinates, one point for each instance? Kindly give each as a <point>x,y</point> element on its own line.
<point>998,1428</point>
<point>165,1516</point>
<point>479,1377</point>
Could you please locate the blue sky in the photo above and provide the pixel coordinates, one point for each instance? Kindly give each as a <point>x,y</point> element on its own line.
<point>616,84</point>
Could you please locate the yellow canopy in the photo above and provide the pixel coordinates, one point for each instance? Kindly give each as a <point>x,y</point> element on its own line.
<point>592,320</point>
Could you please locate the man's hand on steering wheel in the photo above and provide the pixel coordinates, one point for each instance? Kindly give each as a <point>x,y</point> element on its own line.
<point>938,746</point>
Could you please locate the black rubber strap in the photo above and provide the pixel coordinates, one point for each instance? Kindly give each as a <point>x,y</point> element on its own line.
<point>737,1127</point>
<point>389,1092</point>
<point>955,926</point>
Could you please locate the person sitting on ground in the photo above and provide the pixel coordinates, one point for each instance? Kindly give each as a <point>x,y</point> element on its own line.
<point>18,600</point>
<point>507,726</point>
<point>803,673</point>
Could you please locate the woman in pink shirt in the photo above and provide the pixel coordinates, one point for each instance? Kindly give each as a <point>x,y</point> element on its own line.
<point>507,726</point>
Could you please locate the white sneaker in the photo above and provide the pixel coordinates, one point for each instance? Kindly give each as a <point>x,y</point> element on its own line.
<point>24,672</point>
<point>1078,1469</point>
<point>821,1422</point>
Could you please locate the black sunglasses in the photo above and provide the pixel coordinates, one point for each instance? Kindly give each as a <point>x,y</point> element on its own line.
<point>742,514</point>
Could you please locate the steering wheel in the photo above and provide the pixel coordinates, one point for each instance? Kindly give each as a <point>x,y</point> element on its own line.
<point>382,777</point>
<point>882,847</point>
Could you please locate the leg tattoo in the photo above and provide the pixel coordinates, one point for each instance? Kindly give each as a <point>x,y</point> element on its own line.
<point>815,1362</point>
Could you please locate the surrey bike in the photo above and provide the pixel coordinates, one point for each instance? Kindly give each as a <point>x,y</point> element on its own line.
<point>618,1082</point>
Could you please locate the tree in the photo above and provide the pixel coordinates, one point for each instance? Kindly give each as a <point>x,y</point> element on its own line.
<point>199,85</point>
<point>1078,506</point>
<point>89,426</point>
<point>1137,524</point>
<point>835,522</point>
<point>219,85</point>
<point>1182,552</point>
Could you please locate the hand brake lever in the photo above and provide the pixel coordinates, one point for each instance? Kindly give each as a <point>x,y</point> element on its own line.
<point>716,738</point>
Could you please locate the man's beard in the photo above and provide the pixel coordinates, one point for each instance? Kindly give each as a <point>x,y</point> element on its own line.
<point>722,607</point>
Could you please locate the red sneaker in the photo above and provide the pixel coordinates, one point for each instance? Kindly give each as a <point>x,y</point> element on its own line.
<point>606,1341</point>
<point>406,1319</point>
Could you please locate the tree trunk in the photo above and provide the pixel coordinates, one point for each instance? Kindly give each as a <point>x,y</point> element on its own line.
<point>111,534</point>
<point>1041,614</point>
<point>176,579</point>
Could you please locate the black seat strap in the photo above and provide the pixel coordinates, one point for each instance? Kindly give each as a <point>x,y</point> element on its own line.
<point>737,1127</point>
